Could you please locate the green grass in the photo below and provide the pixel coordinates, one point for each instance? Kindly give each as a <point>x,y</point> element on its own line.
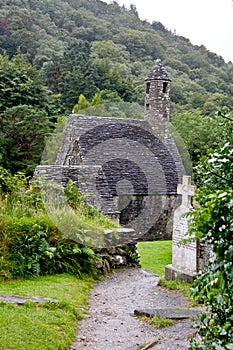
<point>157,322</point>
<point>43,326</point>
<point>155,255</point>
<point>176,284</point>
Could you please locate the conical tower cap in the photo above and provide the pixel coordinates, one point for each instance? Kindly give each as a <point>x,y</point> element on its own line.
<point>158,72</point>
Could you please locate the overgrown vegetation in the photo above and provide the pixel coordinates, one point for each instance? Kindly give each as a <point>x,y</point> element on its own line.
<point>43,326</point>
<point>31,244</point>
<point>213,223</point>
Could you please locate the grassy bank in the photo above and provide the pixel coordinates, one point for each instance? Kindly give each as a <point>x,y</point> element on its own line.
<point>43,326</point>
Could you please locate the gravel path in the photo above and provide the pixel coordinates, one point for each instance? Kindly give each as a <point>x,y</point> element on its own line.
<point>111,325</point>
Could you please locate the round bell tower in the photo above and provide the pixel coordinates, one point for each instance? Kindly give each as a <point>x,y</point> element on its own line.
<point>157,99</point>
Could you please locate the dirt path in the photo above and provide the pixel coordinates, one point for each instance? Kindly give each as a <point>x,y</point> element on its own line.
<point>111,325</point>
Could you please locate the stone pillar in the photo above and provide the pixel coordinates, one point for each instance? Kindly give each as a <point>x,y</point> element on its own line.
<point>184,256</point>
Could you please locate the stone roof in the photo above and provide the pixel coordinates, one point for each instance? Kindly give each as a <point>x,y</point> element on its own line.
<point>158,72</point>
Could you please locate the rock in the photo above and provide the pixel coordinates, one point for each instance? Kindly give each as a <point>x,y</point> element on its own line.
<point>113,257</point>
<point>19,299</point>
<point>172,313</point>
<point>119,260</point>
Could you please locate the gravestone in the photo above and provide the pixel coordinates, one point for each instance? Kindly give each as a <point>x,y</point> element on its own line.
<point>184,255</point>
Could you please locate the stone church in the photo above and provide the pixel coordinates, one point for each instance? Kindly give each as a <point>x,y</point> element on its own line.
<point>129,168</point>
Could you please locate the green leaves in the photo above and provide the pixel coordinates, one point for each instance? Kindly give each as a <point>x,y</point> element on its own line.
<point>44,31</point>
<point>23,130</point>
<point>20,83</point>
<point>216,171</point>
<point>213,223</point>
<point>31,243</point>
<point>24,122</point>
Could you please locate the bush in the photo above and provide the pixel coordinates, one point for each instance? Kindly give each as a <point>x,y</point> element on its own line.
<point>213,223</point>
<point>33,247</point>
<point>30,243</point>
<point>4,178</point>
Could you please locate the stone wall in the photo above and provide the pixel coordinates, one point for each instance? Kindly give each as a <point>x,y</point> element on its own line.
<point>116,257</point>
<point>83,176</point>
<point>137,175</point>
<point>205,255</point>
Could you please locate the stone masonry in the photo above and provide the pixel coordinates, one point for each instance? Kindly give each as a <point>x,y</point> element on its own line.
<point>130,168</point>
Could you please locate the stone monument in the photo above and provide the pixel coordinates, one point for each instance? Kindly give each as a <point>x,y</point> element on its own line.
<point>184,255</point>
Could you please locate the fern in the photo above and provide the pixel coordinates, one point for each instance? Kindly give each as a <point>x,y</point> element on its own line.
<point>88,252</point>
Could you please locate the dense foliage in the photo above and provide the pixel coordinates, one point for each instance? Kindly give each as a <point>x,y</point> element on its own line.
<point>24,118</point>
<point>20,84</point>
<point>30,243</point>
<point>201,134</point>
<point>22,140</point>
<point>85,46</point>
<point>213,223</point>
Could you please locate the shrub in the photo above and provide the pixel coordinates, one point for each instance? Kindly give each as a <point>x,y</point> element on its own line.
<point>212,221</point>
<point>34,246</point>
<point>30,243</point>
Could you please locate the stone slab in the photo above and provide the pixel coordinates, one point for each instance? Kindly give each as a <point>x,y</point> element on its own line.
<point>172,273</point>
<point>176,314</point>
<point>19,299</point>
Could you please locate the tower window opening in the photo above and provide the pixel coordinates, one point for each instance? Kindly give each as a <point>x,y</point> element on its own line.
<point>147,106</point>
<point>147,88</point>
<point>165,85</point>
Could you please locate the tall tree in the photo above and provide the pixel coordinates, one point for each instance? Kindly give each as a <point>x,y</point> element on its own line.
<point>24,121</point>
<point>20,83</point>
<point>22,135</point>
<point>78,74</point>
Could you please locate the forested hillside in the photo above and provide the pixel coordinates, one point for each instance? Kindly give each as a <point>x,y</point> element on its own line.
<point>84,46</point>
<point>52,51</point>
